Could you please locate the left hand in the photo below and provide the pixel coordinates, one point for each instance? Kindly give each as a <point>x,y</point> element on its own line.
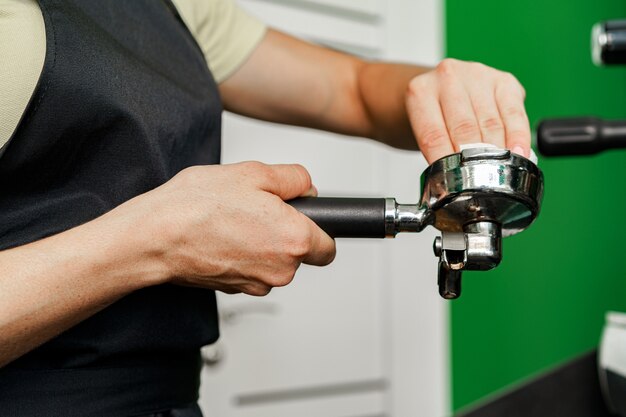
<point>466,102</point>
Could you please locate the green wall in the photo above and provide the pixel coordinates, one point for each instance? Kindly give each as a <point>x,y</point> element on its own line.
<point>546,301</point>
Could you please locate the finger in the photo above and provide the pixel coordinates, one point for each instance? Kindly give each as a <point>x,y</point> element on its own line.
<point>427,121</point>
<point>287,181</point>
<point>489,120</point>
<point>458,112</point>
<point>323,249</point>
<point>510,101</point>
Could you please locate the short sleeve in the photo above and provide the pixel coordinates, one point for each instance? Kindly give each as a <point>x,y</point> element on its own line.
<point>22,55</point>
<point>226,33</point>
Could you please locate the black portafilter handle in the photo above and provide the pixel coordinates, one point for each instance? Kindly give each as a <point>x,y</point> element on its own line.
<point>580,136</point>
<point>345,217</point>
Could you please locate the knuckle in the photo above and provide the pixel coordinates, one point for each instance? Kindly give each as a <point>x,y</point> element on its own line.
<point>517,135</point>
<point>300,245</point>
<point>479,66</point>
<point>258,290</point>
<point>464,128</point>
<point>262,173</point>
<point>432,137</point>
<point>250,165</point>
<point>304,174</point>
<point>416,86</point>
<point>191,175</point>
<point>254,167</point>
<point>512,82</point>
<point>492,123</point>
<point>509,78</point>
<point>283,278</point>
<point>329,255</point>
<point>522,90</point>
<point>514,112</point>
<point>447,66</point>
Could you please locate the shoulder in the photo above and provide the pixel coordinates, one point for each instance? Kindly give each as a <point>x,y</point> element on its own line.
<point>225,32</point>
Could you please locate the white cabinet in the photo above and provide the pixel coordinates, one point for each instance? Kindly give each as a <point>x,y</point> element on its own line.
<point>366,335</point>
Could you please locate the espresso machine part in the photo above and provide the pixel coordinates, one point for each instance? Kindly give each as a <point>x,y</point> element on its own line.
<point>589,135</point>
<point>474,197</point>
<point>579,136</point>
<point>608,42</point>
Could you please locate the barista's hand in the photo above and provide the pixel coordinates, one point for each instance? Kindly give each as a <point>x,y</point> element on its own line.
<point>227,227</point>
<point>466,102</point>
<point>220,227</point>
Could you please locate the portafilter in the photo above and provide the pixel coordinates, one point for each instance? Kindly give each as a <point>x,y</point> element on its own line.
<point>474,197</point>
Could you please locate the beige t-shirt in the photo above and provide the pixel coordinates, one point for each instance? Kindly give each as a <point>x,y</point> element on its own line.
<point>226,34</point>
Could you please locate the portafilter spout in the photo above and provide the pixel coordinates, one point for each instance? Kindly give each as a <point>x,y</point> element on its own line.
<point>474,197</point>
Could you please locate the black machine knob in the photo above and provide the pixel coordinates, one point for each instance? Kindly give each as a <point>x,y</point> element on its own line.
<point>608,42</point>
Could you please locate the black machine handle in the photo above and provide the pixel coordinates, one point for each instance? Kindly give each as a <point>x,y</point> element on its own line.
<point>580,136</point>
<point>345,217</point>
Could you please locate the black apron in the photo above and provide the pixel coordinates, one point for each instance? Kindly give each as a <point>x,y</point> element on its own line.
<point>124,102</point>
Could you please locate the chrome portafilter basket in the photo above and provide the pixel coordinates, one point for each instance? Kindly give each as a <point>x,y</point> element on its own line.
<point>474,197</point>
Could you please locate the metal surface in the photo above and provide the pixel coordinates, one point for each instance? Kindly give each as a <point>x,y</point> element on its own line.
<point>608,42</point>
<point>461,189</point>
<point>474,198</point>
<point>599,43</point>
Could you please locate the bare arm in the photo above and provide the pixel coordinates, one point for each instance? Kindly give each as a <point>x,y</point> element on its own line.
<point>50,285</point>
<point>208,227</point>
<point>287,80</point>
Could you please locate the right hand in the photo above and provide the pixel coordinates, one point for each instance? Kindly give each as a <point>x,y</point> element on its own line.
<point>227,228</point>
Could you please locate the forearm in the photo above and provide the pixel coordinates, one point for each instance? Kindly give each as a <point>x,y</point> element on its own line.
<point>49,286</point>
<point>287,80</point>
<point>210,226</point>
<point>382,91</point>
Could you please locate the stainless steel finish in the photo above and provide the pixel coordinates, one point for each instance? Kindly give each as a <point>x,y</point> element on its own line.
<point>484,245</point>
<point>411,218</point>
<point>405,218</point>
<point>474,186</point>
<point>598,43</point>
<point>607,39</point>
<point>478,248</point>
<point>475,198</point>
<point>390,217</point>
<point>476,154</point>
<point>454,250</point>
<point>449,281</point>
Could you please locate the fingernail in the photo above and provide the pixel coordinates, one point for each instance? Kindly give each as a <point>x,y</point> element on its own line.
<point>519,150</point>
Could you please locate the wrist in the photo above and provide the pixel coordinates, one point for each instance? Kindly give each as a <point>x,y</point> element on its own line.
<point>130,250</point>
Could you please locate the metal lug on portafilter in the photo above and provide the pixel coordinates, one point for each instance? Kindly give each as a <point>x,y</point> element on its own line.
<point>451,248</point>
<point>449,281</point>
<point>478,248</point>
